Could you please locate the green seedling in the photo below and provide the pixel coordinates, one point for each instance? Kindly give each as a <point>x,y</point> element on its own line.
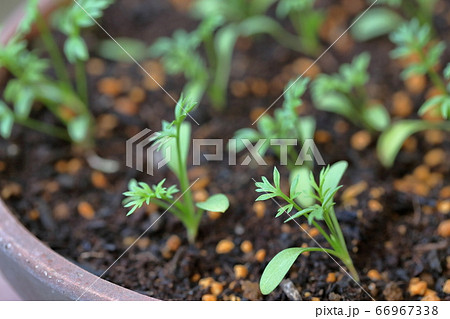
<point>384,17</point>
<point>306,20</point>
<point>32,83</point>
<point>413,39</point>
<point>345,93</point>
<point>222,23</point>
<point>285,124</point>
<point>174,140</point>
<point>179,55</point>
<point>440,101</point>
<point>316,214</point>
<point>250,18</point>
<point>71,20</point>
<point>204,56</point>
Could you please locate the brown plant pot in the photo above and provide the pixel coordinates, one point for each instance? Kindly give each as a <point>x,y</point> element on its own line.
<point>34,271</point>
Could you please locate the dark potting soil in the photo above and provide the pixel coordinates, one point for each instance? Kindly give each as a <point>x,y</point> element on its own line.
<point>391,231</point>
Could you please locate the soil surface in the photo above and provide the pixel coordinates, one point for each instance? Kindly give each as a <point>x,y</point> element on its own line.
<point>390,218</point>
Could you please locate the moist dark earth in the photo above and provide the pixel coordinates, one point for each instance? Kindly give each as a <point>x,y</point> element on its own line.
<point>390,217</point>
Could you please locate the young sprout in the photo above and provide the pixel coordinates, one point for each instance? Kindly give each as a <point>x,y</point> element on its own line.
<point>318,214</point>
<point>249,18</point>
<point>306,20</point>
<point>222,23</point>
<point>71,20</point>
<point>345,93</point>
<point>413,39</point>
<point>418,9</point>
<point>174,140</point>
<point>180,55</point>
<point>384,17</point>
<point>31,82</point>
<point>285,125</point>
<point>442,100</point>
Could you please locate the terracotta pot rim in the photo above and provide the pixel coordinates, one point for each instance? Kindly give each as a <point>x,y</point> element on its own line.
<point>35,271</point>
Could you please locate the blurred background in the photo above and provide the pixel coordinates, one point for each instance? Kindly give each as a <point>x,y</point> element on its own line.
<point>6,6</point>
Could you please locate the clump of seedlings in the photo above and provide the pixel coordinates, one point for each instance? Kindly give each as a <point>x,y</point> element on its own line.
<point>32,82</point>
<point>321,212</point>
<point>221,24</point>
<point>306,20</point>
<point>415,41</point>
<point>179,55</point>
<point>345,93</point>
<point>284,124</point>
<point>419,9</point>
<point>384,17</point>
<point>282,133</point>
<point>174,140</point>
<point>250,18</point>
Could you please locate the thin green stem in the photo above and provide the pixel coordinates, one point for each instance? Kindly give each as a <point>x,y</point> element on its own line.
<point>264,24</point>
<point>82,88</point>
<point>335,225</point>
<point>43,128</point>
<point>53,109</point>
<point>210,51</point>
<point>319,228</point>
<point>329,223</point>
<point>345,259</point>
<point>339,245</point>
<point>343,246</point>
<point>179,205</point>
<point>168,207</point>
<point>223,46</point>
<point>329,251</point>
<point>53,50</point>
<point>349,264</point>
<point>81,79</point>
<point>322,231</point>
<point>191,220</point>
